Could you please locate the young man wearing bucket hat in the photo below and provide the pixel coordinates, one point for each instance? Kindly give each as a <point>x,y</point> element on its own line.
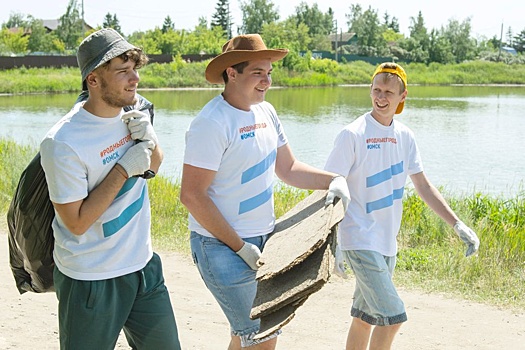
<point>376,154</point>
<point>234,147</point>
<point>107,277</point>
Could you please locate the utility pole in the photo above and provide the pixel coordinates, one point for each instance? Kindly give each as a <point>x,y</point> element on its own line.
<point>500,41</point>
<point>335,36</point>
<point>229,33</point>
<point>83,26</point>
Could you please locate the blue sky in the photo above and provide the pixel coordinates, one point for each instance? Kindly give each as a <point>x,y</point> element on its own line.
<point>135,15</point>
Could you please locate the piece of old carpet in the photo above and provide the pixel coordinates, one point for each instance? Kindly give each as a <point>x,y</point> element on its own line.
<point>297,261</point>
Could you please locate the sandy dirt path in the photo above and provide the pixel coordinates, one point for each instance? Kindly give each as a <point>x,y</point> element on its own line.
<point>29,321</point>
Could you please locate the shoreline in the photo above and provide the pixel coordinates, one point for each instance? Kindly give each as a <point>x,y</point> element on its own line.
<point>2,94</point>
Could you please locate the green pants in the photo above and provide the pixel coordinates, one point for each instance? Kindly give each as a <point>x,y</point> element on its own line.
<point>91,314</point>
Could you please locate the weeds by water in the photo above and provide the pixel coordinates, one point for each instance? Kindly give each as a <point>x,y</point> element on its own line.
<point>308,72</point>
<point>431,256</point>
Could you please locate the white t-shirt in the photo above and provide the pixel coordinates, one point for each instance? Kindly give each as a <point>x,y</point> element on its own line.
<point>376,160</point>
<point>76,155</point>
<point>241,147</point>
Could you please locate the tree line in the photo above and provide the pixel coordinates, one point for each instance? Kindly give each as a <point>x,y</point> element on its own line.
<point>306,30</point>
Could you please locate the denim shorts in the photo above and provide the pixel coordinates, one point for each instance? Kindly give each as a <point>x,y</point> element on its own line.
<point>375,298</point>
<point>231,281</point>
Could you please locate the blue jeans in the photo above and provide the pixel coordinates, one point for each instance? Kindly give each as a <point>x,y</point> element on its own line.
<point>375,298</point>
<point>231,281</point>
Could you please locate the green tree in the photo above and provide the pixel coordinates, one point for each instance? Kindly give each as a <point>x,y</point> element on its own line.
<point>111,21</point>
<point>509,37</point>
<point>169,42</point>
<point>42,41</point>
<point>494,43</point>
<point>205,40</point>
<point>355,18</point>
<point>418,30</point>
<point>440,49</point>
<point>369,31</point>
<point>317,21</point>
<point>202,22</point>
<point>13,43</point>
<point>291,35</point>
<point>255,14</point>
<point>319,24</point>
<point>416,47</point>
<point>392,24</point>
<point>147,41</point>
<point>222,17</point>
<point>458,35</point>
<point>519,42</point>
<point>70,29</point>
<point>167,25</point>
<point>16,20</point>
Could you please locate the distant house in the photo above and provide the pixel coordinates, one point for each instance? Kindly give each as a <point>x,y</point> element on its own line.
<point>342,39</point>
<point>18,30</point>
<point>510,50</point>
<point>49,24</point>
<point>52,25</point>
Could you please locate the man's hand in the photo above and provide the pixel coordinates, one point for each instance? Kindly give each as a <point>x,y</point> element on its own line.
<point>139,124</point>
<point>137,158</point>
<point>338,188</point>
<point>339,267</point>
<point>250,253</point>
<point>468,236</point>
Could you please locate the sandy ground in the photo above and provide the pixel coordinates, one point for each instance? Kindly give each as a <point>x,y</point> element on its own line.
<point>29,321</point>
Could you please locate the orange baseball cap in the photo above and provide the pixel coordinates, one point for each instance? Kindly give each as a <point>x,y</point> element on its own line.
<point>399,71</point>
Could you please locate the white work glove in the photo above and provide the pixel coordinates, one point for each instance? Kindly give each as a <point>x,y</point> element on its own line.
<point>340,267</point>
<point>468,236</point>
<point>139,125</point>
<point>137,158</point>
<point>250,253</point>
<point>338,188</point>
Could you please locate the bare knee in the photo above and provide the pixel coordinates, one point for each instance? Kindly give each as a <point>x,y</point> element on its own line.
<point>383,336</point>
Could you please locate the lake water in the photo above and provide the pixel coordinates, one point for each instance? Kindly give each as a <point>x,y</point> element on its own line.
<point>470,138</point>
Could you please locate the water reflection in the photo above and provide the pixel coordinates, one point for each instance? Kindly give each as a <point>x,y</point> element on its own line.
<point>470,137</point>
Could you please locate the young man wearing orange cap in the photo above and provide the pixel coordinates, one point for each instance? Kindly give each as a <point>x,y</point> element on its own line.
<point>376,154</point>
<point>234,147</point>
<point>107,277</point>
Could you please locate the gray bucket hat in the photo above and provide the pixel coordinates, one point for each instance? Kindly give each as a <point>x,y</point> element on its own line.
<point>98,48</point>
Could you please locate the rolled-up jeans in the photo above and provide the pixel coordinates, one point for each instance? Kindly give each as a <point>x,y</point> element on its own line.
<point>231,281</point>
<point>375,298</point>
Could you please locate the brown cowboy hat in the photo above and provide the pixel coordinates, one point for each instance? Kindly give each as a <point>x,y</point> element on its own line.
<point>242,48</point>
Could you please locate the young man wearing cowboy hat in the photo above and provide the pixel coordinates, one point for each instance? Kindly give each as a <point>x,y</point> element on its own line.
<point>234,147</point>
<point>376,154</point>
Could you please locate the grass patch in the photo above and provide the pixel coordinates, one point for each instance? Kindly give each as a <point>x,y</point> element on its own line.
<point>431,256</point>
<point>181,74</point>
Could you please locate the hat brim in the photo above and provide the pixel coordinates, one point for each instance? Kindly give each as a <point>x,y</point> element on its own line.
<point>400,107</point>
<point>219,64</point>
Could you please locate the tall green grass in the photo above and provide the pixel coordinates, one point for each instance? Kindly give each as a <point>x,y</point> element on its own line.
<point>13,159</point>
<point>181,74</point>
<point>431,256</point>
<point>39,80</point>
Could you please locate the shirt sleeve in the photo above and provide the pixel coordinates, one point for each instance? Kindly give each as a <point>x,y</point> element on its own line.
<point>415,165</point>
<point>66,174</point>
<point>206,142</point>
<point>342,157</point>
<point>282,139</point>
